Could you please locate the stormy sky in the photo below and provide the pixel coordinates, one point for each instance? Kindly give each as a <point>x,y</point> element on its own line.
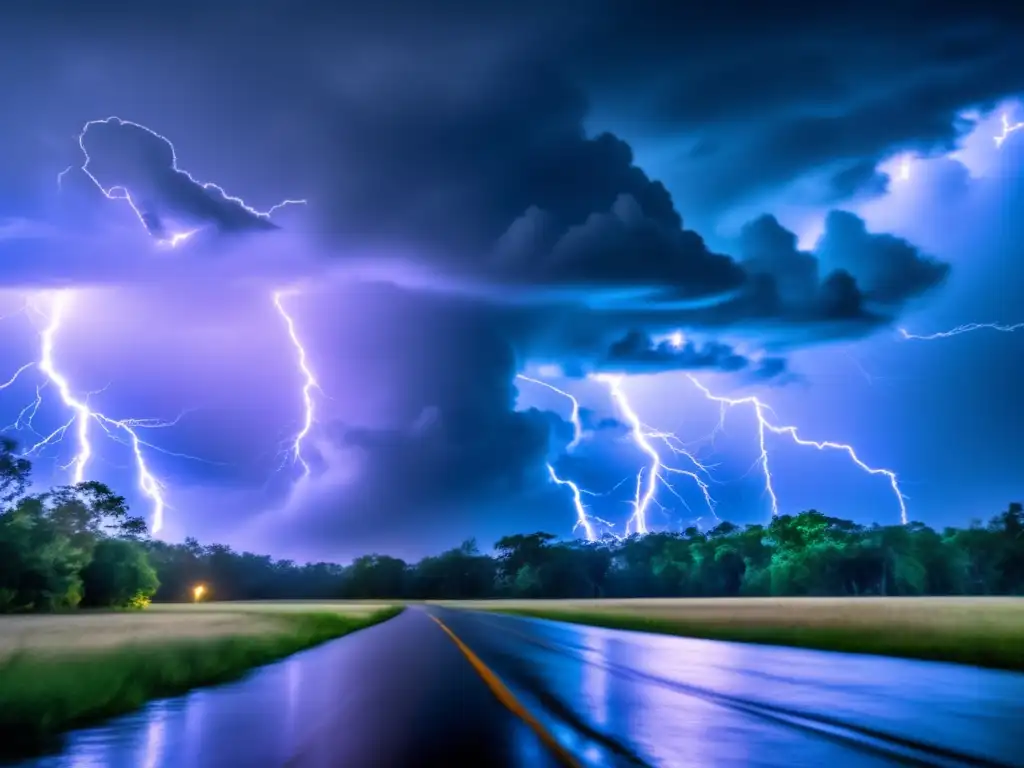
<point>643,205</point>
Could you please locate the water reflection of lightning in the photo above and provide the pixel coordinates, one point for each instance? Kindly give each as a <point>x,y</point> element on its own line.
<point>764,425</point>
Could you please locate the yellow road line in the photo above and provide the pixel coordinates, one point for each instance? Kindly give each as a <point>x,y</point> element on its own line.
<point>506,697</point>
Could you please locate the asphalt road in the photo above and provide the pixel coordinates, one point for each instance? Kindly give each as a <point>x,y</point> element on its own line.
<point>416,692</point>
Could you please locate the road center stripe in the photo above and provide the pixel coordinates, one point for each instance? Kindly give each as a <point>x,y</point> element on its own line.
<point>506,697</point>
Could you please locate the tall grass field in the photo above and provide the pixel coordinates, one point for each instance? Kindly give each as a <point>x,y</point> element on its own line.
<point>59,672</point>
<point>986,632</point>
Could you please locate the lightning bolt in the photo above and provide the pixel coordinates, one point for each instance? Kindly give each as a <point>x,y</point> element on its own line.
<point>127,430</point>
<point>309,385</point>
<point>83,415</point>
<point>648,480</point>
<point>122,193</point>
<point>16,375</point>
<point>574,416</point>
<point>765,425</point>
<point>582,518</point>
<point>965,328</point>
<point>1008,128</point>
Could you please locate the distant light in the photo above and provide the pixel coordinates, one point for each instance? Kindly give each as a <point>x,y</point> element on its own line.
<point>677,340</point>
<point>197,592</point>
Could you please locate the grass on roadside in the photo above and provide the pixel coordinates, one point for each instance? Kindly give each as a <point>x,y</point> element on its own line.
<point>43,694</point>
<point>992,644</point>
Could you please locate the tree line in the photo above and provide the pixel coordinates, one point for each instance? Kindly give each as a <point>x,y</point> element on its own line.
<point>805,554</point>
<point>78,545</point>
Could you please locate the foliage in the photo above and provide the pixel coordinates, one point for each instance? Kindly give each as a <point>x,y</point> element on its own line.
<point>51,542</point>
<point>41,696</point>
<point>119,576</point>
<point>54,544</point>
<point>805,554</point>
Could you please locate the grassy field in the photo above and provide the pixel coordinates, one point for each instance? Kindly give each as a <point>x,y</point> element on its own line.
<point>987,632</point>
<point>58,672</point>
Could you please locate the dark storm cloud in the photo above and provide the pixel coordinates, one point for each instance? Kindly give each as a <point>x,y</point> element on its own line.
<point>455,436</point>
<point>868,271</point>
<point>593,423</point>
<point>622,247</point>
<point>455,137</point>
<point>477,164</point>
<point>448,456</point>
<point>129,159</point>
<point>890,270</point>
<point>637,352</point>
<point>860,178</point>
<point>784,90</point>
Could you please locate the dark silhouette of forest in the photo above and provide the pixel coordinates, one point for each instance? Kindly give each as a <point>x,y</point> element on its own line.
<point>79,546</point>
<point>805,554</point>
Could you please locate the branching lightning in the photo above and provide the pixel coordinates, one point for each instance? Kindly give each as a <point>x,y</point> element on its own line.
<point>16,375</point>
<point>649,478</point>
<point>574,416</point>
<point>652,476</point>
<point>118,192</point>
<point>764,425</point>
<point>309,385</point>
<point>1008,128</point>
<point>965,328</point>
<point>582,518</point>
<point>83,416</point>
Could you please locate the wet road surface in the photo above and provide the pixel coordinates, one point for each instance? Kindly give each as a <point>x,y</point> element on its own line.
<point>402,693</point>
<point>395,694</point>
<point>656,700</point>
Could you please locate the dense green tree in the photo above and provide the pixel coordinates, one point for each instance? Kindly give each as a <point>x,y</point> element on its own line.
<point>80,540</point>
<point>39,563</point>
<point>373,576</point>
<point>118,576</point>
<point>460,574</point>
<point>806,554</point>
<point>48,540</point>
